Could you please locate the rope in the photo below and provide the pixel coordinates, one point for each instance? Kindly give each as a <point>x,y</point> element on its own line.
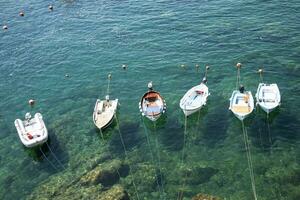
<point>126,155</point>
<point>158,158</point>
<point>269,132</point>
<point>48,160</point>
<point>151,153</point>
<point>238,78</point>
<point>261,77</point>
<point>55,156</point>
<point>108,84</point>
<point>180,193</point>
<point>249,159</point>
<point>110,155</point>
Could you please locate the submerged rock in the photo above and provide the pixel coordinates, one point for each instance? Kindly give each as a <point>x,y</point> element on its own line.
<point>117,192</point>
<point>106,174</point>
<point>201,196</point>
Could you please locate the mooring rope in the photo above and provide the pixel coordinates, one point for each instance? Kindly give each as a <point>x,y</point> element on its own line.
<point>249,159</point>
<point>180,193</point>
<point>151,154</point>
<point>238,77</point>
<point>108,84</point>
<point>110,154</point>
<point>158,159</point>
<point>55,156</point>
<point>269,133</point>
<point>48,160</point>
<point>126,155</point>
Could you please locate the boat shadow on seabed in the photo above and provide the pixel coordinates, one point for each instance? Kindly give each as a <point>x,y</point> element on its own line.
<point>49,153</point>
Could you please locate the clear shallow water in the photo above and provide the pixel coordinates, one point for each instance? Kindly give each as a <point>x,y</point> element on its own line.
<point>87,40</point>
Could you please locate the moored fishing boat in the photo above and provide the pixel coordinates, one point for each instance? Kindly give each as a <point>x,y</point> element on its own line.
<point>152,105</point>
<point>241,101</point>
<point>105,110</point>
<point>195,98</point>
<point>268,95</point>
<point>32,131</point>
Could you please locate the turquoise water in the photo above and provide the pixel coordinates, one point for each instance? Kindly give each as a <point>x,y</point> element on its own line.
<point>88,40</point>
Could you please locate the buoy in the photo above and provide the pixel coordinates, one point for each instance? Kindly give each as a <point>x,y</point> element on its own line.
<point>67,75</point>
<point>150,85</point>
<point>124,66</point>
<point>197,66</point>
<point>5,27</point>
<point>182,66</point>
<point>239,65</point>
<point>260,70</point>
<point>109,76</point>
<point>207,67</point>
<point>21,14</point>
<point>50,7</point>
<point>31,102</point>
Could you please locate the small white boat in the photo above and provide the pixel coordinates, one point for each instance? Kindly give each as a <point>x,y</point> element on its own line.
<point>268,96</point>
<point>241,103</point>
<point>32,131</point>
<point>152,104</point>
<point>104,112</point>
<point>194,99</point>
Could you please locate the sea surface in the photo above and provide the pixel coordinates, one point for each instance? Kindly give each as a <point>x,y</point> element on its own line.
<point>62,58</point>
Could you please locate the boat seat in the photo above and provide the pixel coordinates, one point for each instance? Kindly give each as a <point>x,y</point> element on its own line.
<point>153,110</point>
<point>241,109</point>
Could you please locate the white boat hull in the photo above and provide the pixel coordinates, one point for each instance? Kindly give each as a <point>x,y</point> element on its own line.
<point>241,104</point>
<point>104,112</point>
<point>268,96</point>
<point>32,132</point>
<point>194,99</point>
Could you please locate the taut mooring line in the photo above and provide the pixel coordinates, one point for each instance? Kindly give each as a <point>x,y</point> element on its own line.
<point>249,159</point>
<point>151,154</point>
<point>48,160</point>
<point>158,158</point>
<point>126,155</point>
<point>110,155</point>
<point>55,156</point>
<point>180,193</point>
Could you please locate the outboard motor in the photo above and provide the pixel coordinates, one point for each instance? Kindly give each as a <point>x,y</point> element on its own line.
<point>242,89</point>
<point>27,116</point>
<point>107,98</point>
<point>204,80</point>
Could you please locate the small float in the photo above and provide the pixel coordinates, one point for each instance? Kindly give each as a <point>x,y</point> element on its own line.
<point>152,105</point>
<point>105,110</point>
<point>195,98</point>
<point>267,96</point>
<point>32,131</point>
